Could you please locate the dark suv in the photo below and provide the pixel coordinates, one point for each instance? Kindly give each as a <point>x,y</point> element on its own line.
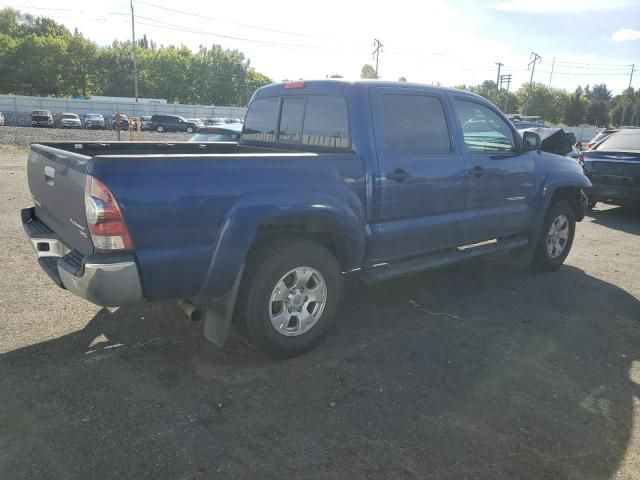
<point>172,123</point>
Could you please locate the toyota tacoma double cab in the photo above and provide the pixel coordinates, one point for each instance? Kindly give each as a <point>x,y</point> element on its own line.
<point>329,177</point>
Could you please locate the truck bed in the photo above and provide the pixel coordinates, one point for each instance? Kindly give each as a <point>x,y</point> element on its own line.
<point>92,149</point>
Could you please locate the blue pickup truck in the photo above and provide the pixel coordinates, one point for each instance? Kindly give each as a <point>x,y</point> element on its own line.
<point>329,177</point>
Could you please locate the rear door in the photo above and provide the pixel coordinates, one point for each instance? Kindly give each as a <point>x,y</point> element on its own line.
<point>56,180</point>
<point>501,176</point>
<point>421,185</point>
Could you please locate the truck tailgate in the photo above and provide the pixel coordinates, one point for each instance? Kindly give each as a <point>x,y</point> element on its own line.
<point>56,180</point>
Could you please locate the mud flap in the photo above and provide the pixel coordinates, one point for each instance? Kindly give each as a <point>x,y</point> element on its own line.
<point>217,321</point>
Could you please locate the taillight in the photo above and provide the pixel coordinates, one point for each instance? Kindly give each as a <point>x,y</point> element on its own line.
<point>590,144</point>
<point>106,223</point>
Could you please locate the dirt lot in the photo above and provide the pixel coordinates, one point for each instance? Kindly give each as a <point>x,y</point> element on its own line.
<point>482,371</point>
<point>23,136</point>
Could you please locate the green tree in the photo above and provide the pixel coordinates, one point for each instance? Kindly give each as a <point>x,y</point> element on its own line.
<point>538,99</point>
<point>40,57</point>
<point>368,72</point>
<point>575,108</point>
<point>598,113</point>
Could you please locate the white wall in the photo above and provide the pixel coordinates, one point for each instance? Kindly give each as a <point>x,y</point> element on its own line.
<point>20,107</point>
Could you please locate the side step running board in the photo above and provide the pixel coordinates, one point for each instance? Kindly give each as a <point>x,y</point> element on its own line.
<point>393,270</point>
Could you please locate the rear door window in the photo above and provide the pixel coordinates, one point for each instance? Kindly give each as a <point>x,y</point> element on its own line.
<point>415,123</point>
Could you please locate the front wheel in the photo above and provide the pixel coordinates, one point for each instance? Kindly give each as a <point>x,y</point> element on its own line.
<point>189,129</point>
<point>556,237</point>
<point>159,129</point>
<point>288,296</point>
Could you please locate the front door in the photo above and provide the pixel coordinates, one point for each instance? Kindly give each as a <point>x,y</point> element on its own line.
<point>500,173</point>
<point>421,185</point>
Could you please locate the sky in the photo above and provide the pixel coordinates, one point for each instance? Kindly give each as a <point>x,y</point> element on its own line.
<point>450,42</point>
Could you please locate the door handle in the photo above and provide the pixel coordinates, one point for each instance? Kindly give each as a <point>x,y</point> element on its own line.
<point>399,175</point>
<point>477,171</point>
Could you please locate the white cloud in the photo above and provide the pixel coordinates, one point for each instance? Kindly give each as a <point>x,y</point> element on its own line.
<point>625,34</point>
<point>559,6</point>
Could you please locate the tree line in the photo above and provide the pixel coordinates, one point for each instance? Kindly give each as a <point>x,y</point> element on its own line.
<point>43,58</point>
<point>592,105</point>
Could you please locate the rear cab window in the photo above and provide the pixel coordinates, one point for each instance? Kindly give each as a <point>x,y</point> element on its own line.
<point>319,121</point>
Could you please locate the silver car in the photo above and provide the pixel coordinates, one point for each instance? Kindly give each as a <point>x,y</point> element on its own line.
<point>70,120</point>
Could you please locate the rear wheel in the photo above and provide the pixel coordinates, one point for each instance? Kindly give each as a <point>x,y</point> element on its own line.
<point>189,129</point>
<point>288,296</point>
<point>556,237</point>
<point>159,129</point>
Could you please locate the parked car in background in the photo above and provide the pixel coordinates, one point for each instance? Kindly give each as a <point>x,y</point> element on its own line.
<point>41,118</point>
<point>145,122</point>
<point>196,121</point>
<point>124,122</point>
<point>172,123</point>
<point>70,120</point>
<point>94,121</point>
<point>219,133</point>
<point>613,166</point>
<point>328,177</point>
<point>600,136</point>
<point>221,120</point>
<point>2,119</point>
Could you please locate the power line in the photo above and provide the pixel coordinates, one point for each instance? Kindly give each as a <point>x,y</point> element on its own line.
<point>183,28</point>
<point>245,25</point>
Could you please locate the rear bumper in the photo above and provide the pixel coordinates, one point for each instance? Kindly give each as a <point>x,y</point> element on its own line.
<point>615,194</point>
<point>106,280</point>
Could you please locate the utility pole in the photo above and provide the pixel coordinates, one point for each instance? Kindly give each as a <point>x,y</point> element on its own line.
<point>133,53</point>
<point>633,66</point>
<point>505,78</point>
<point>376,53</point>
<point>533,59</point>
<point>553,64</point>
<point>498,77</point>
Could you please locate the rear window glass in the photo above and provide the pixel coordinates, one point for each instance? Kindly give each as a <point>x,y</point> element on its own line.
<point>621,142</point>
<point>314,120</point>
<point>415,123</point>
<point>291,120</point>
<point>262,120</point>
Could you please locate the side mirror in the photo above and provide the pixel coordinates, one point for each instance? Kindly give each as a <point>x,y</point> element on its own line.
<point>531,141</point>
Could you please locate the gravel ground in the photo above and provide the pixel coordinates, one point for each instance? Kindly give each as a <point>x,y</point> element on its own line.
<point>482,371</point>
<point>24,136</point>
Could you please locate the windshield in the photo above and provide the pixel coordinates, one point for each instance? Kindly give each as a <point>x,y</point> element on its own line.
<point>70,116</point>
<point>94,116</point>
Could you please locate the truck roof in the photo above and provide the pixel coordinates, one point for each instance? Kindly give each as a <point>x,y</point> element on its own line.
<point>340,85</point>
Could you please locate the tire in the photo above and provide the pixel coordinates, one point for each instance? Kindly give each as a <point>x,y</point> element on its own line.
<point>159,129</point>
<point>551,251</point>
<point>277,263</point>
<point>189,130</point>
<point>591,205</point>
